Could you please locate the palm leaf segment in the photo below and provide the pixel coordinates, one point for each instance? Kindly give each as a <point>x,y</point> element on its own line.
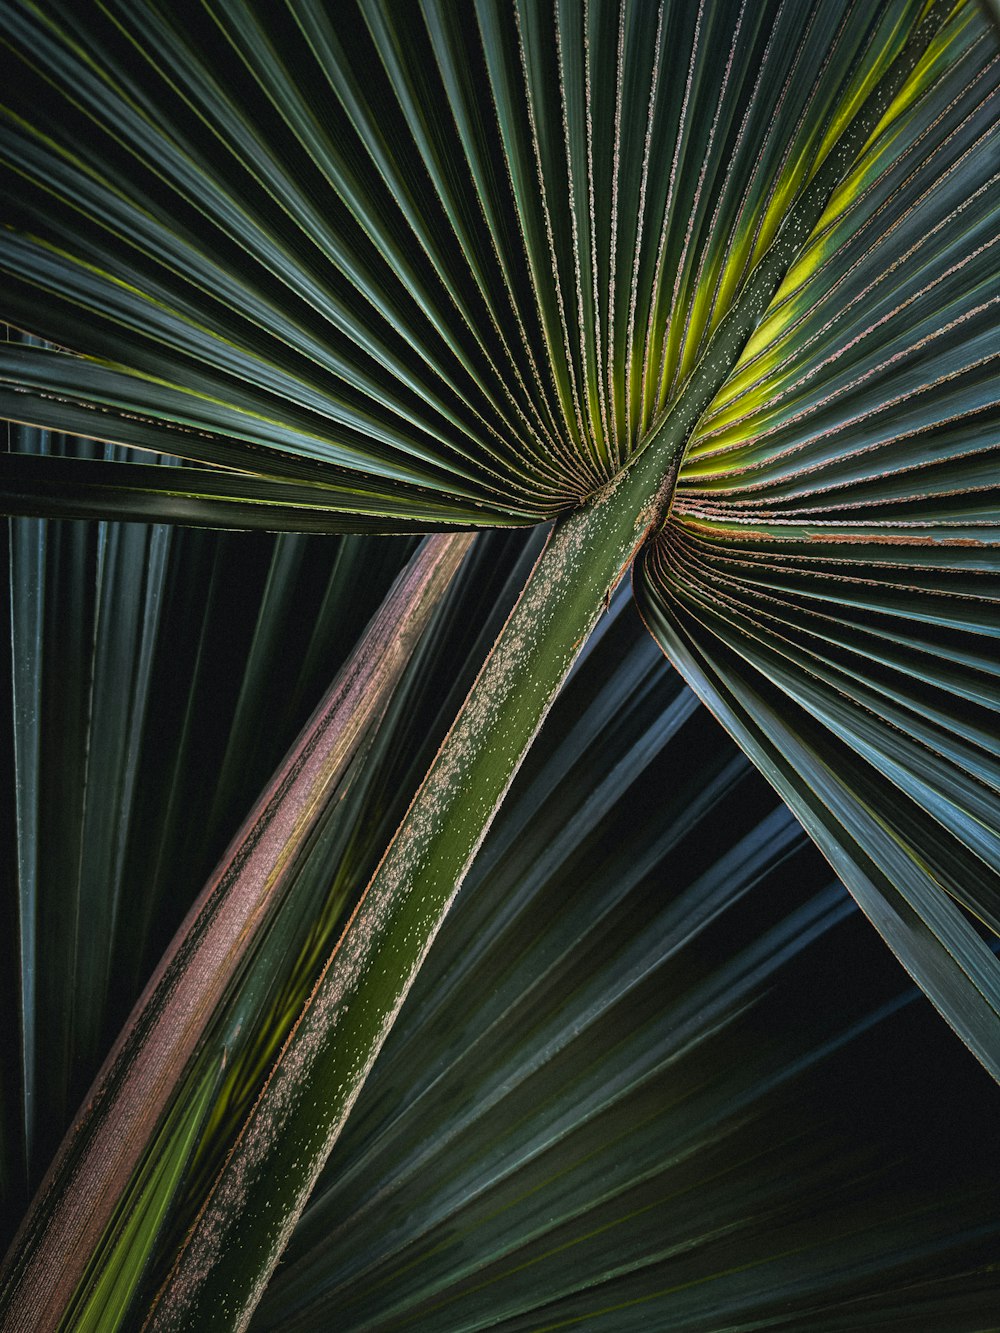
<point>827,579</point>
<point>461,287</point>
<point>413,267</point>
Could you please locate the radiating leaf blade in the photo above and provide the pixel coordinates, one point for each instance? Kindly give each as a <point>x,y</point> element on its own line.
<point>470,290</point>
<point>656,1072</point>
<point>828,575</point>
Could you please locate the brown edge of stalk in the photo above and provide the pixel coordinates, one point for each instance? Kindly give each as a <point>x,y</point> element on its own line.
<point>131,1094</point>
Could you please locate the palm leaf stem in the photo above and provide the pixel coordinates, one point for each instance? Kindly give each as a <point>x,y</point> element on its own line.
<point>239,1236</point>
<point>77,1202</point>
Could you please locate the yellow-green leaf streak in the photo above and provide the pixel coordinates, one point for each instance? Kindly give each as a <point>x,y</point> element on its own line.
<point>105,1300</point>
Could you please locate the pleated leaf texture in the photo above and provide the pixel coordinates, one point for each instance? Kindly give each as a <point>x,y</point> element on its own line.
<point>827,579</point>
<point>453,264</point>
<point>143,657</point>
<point>656,1072</point>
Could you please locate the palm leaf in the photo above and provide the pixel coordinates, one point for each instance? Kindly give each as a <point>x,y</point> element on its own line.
<point>134,653</point>
<point>127,1179</point>
<point>408,341</point>
<point>578,981</point>
<point>828,577</point>
<point>189,990</point>
<point>714,281</point>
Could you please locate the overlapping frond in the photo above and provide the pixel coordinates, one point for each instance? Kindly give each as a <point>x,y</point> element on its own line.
<point>828,576</point>
<point>141,659</point>
<point>245,629</point>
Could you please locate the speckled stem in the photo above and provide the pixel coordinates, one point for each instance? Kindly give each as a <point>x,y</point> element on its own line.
<point>246,1221</point>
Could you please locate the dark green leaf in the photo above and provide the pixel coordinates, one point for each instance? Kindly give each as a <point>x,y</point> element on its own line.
<point>185,1000</point>
<point>828,579</point>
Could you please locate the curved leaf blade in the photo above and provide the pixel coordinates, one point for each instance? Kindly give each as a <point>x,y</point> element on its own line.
<point>657,1071</point>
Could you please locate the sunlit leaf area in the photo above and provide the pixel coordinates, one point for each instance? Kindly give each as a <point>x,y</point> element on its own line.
<point>499,763</point>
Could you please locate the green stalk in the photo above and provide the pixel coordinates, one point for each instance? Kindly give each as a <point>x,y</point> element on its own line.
<point>245,1224</point>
